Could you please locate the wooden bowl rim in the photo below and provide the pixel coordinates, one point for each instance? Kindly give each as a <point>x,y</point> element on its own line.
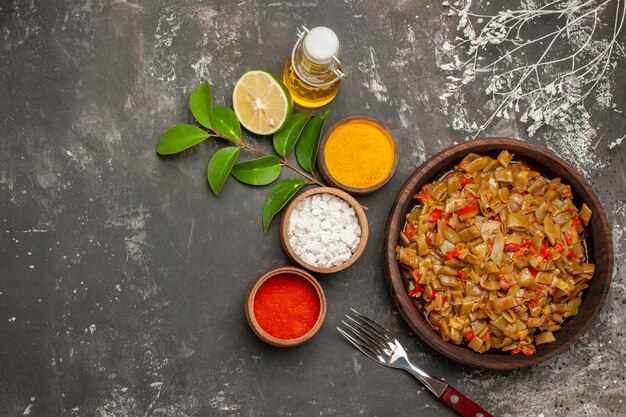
<point>258,330</point>
<point>600,282</point>
<point>321,160</point>
<point>361,217</point>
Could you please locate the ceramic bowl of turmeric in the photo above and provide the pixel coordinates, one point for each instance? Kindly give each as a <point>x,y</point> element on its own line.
<point>358,154</point>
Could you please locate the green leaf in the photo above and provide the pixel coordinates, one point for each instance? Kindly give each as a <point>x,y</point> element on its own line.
<point>288,135</point>
<point>278,196</point>
<point>200,104</point>
<point>225,122</point>
<point>219,167</point>
<point>260,171</point>
<point>179,138</point>
<point>306,148</point>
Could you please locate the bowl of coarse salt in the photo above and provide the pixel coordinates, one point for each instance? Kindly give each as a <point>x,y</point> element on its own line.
<point>324,230</point>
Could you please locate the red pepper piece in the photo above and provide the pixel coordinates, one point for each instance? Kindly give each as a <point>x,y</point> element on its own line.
<point>416,291</point>
<point>558,246</point>
<point>423,195</point>
<point>532,272</point>
<point>409,230</point>
<point>469,335</point>
<point>454,253</point>
<point>526,243</point>
<point>433,293</point>
<point>416,275</point>
<point>447,220</point>
<point>576,221</point>
<point>571,255</point>
<point>504,283</point>
<point>435,215</point>
<point>471,199</point>
<point>516,351</point>
<point>467,178</point>
<point>545,252</point>
<point>444,301</point>
<point>567,192</point>
<point>529,350</point>
<point>429,241</point>
<point>534,303</point>
<point>462,275</point>
<point>467,209</point>
<point>511,247</point>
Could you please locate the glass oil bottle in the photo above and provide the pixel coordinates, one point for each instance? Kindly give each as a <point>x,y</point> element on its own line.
<point>313,73</point>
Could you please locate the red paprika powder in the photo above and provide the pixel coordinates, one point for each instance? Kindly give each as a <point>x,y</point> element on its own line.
<point>286,306</point>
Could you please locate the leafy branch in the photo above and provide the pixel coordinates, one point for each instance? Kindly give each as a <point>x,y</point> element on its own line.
<point>300,131</point>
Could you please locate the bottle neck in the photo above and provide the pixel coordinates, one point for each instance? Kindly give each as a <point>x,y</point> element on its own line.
<point>312,72</point>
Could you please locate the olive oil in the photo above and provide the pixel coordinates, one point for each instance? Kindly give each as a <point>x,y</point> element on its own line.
<point>305,95</point>
<point>313,72</point>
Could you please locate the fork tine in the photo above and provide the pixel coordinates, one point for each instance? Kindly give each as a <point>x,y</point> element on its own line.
<point>363,348</point>
<point>381,341</point>
<point>375,325</point>
<point>366,338</point>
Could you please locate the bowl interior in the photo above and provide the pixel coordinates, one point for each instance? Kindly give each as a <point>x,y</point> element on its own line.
<point>258,330</point>
<point>600,251</point>
<point>361,217</point>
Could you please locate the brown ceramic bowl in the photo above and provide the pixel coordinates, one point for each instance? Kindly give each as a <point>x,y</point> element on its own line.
<point>262,334</point>
<point>360,214</point>
<point>599,244</point>
<point>321,160</point>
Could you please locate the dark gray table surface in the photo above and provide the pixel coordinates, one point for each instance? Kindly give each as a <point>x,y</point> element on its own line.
<point>123,277</point>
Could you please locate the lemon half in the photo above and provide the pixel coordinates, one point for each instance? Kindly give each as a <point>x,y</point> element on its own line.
<point>261,102</point>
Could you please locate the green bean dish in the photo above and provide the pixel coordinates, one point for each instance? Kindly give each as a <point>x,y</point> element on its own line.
<point>493,254</point>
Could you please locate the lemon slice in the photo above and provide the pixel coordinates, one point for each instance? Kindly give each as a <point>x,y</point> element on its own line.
<point>261,102</point>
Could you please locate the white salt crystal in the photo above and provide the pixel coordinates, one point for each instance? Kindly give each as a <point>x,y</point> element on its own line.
<point>334,205</point>
<point>348,237</point>
<point>309,258</point>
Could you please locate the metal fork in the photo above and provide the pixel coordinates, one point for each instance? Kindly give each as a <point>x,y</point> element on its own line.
<point>378,344</point>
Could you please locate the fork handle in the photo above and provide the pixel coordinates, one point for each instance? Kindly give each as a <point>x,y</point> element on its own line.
<point>461,404</point>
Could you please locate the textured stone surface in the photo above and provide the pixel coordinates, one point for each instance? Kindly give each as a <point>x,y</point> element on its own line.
<point>123,278</point>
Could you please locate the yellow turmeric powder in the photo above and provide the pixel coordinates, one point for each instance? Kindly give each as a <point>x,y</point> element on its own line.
<point>359,154</point>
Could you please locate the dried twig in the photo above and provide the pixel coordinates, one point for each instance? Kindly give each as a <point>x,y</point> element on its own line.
<point>573,58</point>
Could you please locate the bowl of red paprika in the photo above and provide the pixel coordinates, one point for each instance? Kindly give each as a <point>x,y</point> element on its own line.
<point>285,307</point>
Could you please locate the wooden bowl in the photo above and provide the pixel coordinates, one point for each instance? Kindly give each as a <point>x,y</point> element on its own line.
<point>262,334</point>
<point>600,251</point>
<point>360,214</point>
<point>321,160</point>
